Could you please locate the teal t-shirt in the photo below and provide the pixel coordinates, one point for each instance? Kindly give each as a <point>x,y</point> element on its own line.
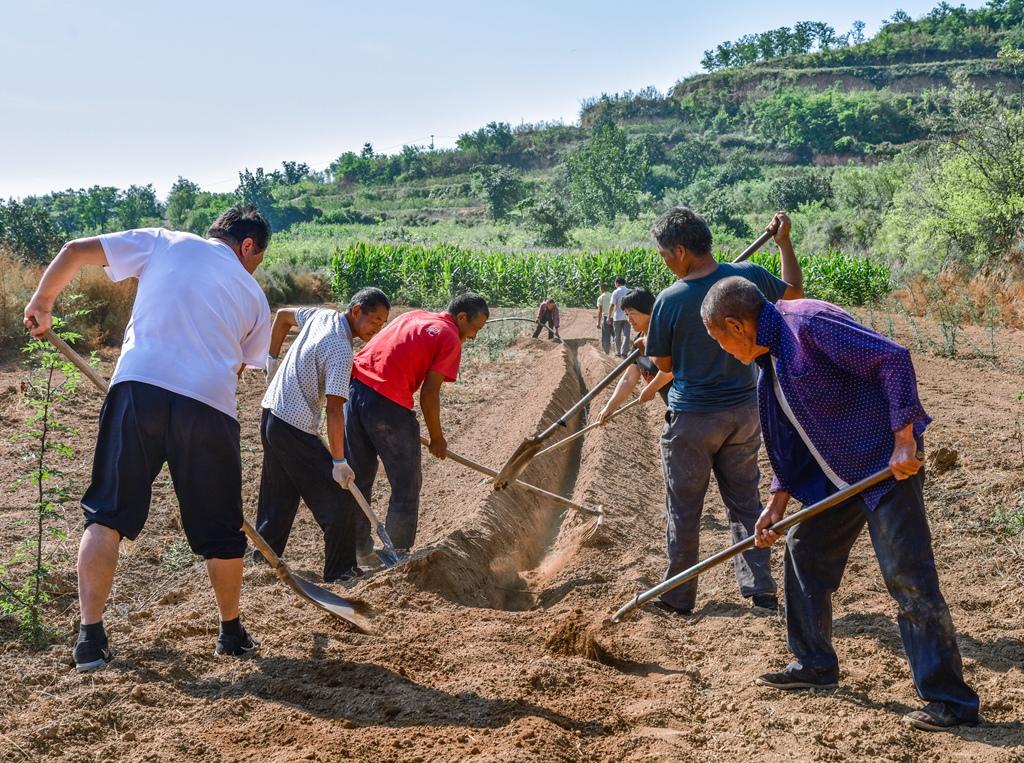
<point>706,377</point>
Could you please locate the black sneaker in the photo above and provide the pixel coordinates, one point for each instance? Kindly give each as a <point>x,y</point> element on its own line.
<point>352,573</point>
<point>666,607</point>
<point>790,679</point>
<point>91,654</point>
<point>236,645</point>
<point>766,601</point>
<point>935,716</point>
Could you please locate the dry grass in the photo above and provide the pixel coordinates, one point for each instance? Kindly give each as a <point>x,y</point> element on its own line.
<point>983,298</point>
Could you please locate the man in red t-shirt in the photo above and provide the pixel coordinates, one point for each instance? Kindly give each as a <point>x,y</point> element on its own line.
<point>418,350</point>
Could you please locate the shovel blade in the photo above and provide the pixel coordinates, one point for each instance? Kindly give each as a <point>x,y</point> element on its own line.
<point>518,461</point>
<point>330,602</point>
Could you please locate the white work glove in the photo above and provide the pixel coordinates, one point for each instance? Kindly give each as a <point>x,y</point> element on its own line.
<point>272,363</point>
<point>343,473</point>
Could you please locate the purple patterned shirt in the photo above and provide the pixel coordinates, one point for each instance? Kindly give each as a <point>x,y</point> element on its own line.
<point>848,388</point>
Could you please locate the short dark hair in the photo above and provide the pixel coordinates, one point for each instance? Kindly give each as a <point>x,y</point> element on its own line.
<point>239,223</point>
<point>470,303</point>
<point>620,281</point>
<point>640,300</point>
<point>369,298</point>
<point>606,286</point>
<point>681,226</point>
<point>732,297</point>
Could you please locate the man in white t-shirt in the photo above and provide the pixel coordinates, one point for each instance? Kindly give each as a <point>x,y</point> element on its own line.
<point>199,318</point>
<point>315,373</point>
<point>620,322</point>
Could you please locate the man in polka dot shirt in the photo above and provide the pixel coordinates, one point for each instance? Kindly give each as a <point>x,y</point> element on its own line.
<point>316,373</point>
<point>837,403</point>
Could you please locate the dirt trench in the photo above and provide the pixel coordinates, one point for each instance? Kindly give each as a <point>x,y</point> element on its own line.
<point>504,556</point>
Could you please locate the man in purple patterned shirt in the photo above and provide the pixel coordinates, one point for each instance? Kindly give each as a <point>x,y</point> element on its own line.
<point>837,403</point>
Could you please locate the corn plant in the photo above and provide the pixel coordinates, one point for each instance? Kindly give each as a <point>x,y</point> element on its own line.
<point>429,276</point>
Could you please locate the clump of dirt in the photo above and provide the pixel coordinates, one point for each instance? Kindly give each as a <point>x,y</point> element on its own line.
<point>575,634</point>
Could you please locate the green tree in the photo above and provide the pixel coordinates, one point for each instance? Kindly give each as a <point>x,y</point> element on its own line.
<point>28,231</point>
<point>138,205</point>
<point>502,187</point>
<point>181,201</point>
<point>606,175</point>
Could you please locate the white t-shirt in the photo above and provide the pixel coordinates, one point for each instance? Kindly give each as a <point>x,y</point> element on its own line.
<point>198,314</point>
<point>319,363</point>
<point>618,314</point>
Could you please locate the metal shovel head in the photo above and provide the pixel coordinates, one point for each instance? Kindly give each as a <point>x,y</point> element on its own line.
<point>518,461</point>
<point>326,600</point>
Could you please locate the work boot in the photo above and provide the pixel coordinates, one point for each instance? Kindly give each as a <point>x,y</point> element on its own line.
<point>766,601</point>
<point>234,640</point>
<point>935,716</point>
<point>91,651</point>
<point>795,678</point>
<point>367,558</point>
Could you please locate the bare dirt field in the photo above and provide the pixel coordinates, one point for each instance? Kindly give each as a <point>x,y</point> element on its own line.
<point>489,642</point>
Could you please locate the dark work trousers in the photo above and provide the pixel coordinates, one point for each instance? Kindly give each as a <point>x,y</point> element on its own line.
<point>296,465</point>
<point>376,427</point>
<point>816,555</point>
<point>692,446</point>
<point>606,335</point>
<point>545,321</point>
<point>620,330</point>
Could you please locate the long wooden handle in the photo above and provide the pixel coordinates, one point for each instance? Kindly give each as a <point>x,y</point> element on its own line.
<point>519,483</point>
<point>761,240</point>
<point>586,429</point>
<point>80,362</point>
<point>779,527</point>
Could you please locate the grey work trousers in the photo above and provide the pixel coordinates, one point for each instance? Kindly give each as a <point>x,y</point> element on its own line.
<point>692,446</point>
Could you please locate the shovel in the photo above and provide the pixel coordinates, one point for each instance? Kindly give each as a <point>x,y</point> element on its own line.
<point>488,471</point>
<point>779,528</point>
<point>530,447</point>
<point>388,555</point>
<point>311,592</point>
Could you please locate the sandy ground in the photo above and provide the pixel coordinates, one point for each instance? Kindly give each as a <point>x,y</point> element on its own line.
<point>489,642</point>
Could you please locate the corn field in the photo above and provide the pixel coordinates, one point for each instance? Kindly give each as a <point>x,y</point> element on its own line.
<point>429,276</point>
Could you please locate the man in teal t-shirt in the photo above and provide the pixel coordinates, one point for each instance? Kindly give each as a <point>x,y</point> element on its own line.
<point>712,422</point>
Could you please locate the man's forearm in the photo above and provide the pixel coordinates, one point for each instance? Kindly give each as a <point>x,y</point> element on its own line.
<point>284,319</point>
<point>430,405</point>
<point>336,431</point>
<point>72,257</point>
<point>791,272</point>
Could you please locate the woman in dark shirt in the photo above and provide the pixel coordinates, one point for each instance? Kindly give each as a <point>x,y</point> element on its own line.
<point>638,305</point>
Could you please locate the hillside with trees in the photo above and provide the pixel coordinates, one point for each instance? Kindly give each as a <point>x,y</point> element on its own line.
<point>906,146</point>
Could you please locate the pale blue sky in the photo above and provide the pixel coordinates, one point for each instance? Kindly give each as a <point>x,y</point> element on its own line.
<point>113,92</point>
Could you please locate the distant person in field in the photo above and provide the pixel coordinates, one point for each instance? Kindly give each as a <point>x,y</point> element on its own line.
<point>712,423</point>
<point>419,350</point>
<point>604,317</point>
<point>316,373</point>
<point>838,403</point>
<point>638,305</point>
<point>547,315</point>
<point>620,324</point>
<point>199,317</point>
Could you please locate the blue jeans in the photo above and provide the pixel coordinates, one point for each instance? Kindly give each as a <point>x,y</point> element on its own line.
<point>816,556</point>
<point>620,335</point>
<point>692,446</point>
<point>378,428</point>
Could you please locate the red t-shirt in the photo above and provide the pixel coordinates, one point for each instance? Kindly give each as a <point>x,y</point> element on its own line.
<point>396,361</point>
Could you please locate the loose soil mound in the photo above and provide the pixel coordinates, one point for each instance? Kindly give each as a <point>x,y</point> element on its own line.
<point>491,641</point>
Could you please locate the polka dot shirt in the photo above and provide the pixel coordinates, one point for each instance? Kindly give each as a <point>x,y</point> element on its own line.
<point>319,363</point>
<point>848,388</point>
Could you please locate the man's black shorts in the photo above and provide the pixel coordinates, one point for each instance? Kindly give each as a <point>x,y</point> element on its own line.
<point>141,427</point>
